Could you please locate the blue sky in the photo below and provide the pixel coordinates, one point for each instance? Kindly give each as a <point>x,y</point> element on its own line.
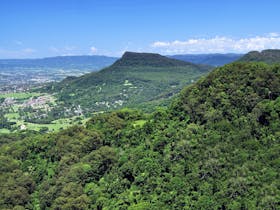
<point>41,28</point>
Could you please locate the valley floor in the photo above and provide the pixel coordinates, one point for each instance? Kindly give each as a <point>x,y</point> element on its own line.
<point>29,110</point>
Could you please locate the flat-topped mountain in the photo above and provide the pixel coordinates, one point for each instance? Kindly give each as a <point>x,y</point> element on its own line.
<point>134,79</point>
<point>268,56</point>
<point>147,59</point>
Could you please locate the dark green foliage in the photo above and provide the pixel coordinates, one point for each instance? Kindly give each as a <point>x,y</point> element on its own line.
<point>4,122</point>
<point>16,186</point>
<point>216,147</point>
<point>230,92</point>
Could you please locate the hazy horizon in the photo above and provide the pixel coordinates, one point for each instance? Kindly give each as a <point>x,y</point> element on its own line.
<point>81,55</point>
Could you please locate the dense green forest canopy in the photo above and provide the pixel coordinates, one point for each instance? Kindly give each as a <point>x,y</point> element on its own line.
<point>216,147</point>
<point>267,56</point>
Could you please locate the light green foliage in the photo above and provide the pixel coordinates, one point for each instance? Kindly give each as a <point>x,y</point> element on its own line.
<point>139,123</point>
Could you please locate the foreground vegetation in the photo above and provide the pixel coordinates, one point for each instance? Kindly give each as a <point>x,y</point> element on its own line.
<point>216,147</point>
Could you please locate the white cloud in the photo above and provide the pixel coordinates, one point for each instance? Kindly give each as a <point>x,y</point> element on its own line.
<point>70,48</point>
<point>219,44</point>
<point>93,50</point>
<point>21,53</point>
<point>17,42</point>
<point>54,49</point>
<point>273,34</point>
<point>63,51</point>
<point>28,50</point>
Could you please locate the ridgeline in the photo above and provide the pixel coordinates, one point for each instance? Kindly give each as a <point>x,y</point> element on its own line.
<point>266,56</point>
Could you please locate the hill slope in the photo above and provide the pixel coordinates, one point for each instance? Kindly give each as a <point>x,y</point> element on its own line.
<point>216,147</point>
<point>267,56</point>
<point>239,85</point>
<point>135,79</point>
<point>209,59</point>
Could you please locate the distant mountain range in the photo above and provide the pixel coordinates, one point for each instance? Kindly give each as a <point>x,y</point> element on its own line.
<point>95,63</point>
<point>136,79</point>
<point>209,59</point>
<point>92,62</point>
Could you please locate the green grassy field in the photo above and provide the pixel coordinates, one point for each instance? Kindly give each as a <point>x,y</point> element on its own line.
<point>20,95</point>
<point>12,116</point>
<point>56,125</point>
<point>12,113</point>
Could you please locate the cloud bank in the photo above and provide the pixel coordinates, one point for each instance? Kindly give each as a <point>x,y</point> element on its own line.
<point>20,53</point>
<point>63,51</point>
<point>218,44</point>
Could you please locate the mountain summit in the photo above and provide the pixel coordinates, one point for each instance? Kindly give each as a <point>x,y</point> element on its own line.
<point>148,59</point>
<point>268,56</point>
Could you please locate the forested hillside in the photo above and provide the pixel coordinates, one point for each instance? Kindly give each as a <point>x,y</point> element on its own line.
<point>216,147</point>
<point>141,80</point>
<point>267,56</point>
